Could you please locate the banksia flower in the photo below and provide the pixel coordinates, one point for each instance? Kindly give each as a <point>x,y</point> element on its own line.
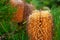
<point>39,26</point>
<point>47,25</point>
<point>18,15</point>
<point>27,10</point>
<point>23,10</point>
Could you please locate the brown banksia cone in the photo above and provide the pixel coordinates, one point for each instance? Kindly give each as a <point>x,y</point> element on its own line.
<point>28,10</point>
<point>39,26</point>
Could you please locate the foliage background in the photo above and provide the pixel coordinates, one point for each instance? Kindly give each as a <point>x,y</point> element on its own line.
<point>12,31</point>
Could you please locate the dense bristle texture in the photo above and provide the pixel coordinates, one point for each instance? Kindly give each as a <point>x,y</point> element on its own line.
<point>46,25</point>
<point>40,25</point>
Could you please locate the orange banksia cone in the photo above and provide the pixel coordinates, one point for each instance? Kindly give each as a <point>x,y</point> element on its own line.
<point>18,15</point>
<point>39,26</point>
<point>23,10</point>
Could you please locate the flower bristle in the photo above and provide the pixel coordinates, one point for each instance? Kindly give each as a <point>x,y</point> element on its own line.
<point>40,25</point>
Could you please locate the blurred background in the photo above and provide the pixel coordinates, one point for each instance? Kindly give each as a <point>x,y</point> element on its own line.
<point>12,31</point>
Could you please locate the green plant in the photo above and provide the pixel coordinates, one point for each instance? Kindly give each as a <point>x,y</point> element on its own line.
<point>10,30</point>
<point>56,16</point>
